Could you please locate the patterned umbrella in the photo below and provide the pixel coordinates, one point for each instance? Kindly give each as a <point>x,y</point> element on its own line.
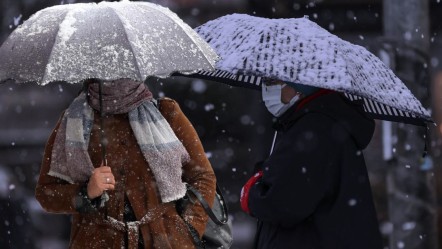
<point>108,41</point>
<point>298,50</point>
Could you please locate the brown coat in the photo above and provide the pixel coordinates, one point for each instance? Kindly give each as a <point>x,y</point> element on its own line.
<point>133,180</point>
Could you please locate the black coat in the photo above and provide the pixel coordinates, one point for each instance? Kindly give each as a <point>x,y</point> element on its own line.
<point>315,192</point>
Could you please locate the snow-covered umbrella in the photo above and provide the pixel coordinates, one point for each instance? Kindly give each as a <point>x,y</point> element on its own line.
<point>298,50</point>
<point>108,41</point>
<point>105,41</point>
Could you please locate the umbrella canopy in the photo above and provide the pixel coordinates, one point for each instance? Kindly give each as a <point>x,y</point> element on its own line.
<point>298,50</point>
<point>108,41</point>
<point>105,41</point>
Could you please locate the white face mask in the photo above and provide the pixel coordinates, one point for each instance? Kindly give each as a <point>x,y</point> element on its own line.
<point>272,99</point>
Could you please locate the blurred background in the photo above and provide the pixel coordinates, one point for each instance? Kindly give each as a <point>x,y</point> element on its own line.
<point>235,127</point>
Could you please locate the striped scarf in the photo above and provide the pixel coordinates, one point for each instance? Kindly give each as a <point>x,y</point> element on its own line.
<point>163,151</point>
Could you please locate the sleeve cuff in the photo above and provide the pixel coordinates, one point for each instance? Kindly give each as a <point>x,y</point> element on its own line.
<point>82,202</point>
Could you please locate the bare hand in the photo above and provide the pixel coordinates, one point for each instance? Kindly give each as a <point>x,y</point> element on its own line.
<point>101,179</point>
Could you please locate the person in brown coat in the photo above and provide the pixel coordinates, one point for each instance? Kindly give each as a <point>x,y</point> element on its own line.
<point>152,151</point>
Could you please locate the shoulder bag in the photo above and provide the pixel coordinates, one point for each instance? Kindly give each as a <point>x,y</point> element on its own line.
<point>218,234</point>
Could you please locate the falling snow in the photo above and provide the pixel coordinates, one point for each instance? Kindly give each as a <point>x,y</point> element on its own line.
<point>224,117</point>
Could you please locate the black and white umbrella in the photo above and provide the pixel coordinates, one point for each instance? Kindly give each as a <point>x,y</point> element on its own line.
<point>298,50</point>
<point>108,41</point>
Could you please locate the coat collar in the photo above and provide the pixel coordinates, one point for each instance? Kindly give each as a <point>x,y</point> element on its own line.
<point>350,115</point>
<point>284,122</point>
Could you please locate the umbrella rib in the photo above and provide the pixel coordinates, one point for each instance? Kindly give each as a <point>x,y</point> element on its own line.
<point>130,44</point>
<point>52,49</point>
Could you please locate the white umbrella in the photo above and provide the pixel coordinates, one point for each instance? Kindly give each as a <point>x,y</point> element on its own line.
<point>105,41</point>
<point>108,41</point>
<point>298,50</point>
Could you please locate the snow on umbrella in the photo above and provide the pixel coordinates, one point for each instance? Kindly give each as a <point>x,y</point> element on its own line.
<point>298,50</point>
<point>105,41</point>
<point>108,41</point>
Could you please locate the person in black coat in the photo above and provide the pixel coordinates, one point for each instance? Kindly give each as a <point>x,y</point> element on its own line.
<point>313,191</point>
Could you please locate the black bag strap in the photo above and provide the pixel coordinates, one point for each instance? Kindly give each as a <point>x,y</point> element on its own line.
<point>195,236</point>
<point>207,208</point>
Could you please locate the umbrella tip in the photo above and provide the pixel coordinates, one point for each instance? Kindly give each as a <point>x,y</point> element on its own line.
<point>306,16</point>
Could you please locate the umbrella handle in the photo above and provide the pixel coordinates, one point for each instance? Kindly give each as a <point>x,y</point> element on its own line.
<point>105,195</point>
<point>102,134</point>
